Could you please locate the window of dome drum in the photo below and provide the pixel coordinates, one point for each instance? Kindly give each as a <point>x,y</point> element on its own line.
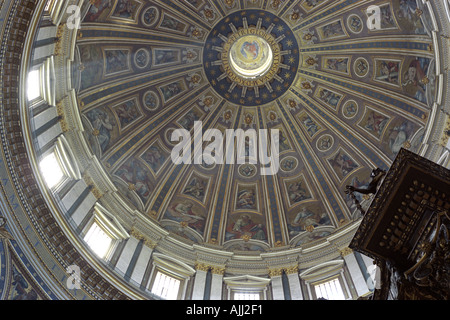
<point>246,296</point>
<point>98,240</point>
<point>51,170</point>
<point>166,286</point>
<point>330,290</point>
<point>251,57</point>
<point>33,85</point>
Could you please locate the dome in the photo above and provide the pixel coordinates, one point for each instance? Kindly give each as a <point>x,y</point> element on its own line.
<point>134,92</point>
<point>275,107</point>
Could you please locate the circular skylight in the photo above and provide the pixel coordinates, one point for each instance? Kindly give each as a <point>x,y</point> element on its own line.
<point>251,57</point>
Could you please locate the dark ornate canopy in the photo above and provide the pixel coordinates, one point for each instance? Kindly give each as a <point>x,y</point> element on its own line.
<point>346,83</point>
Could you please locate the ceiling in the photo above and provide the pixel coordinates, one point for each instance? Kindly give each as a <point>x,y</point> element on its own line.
<point>344,97</point>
